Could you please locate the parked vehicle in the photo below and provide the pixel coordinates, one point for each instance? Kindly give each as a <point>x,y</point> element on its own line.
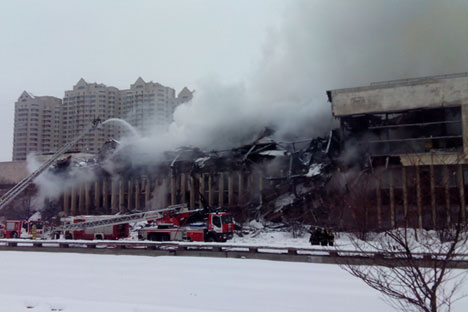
<point>107,232</point>
<point>23,229</point>
<point>194,226</point>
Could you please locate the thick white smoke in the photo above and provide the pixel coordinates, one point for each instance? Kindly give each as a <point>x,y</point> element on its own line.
<point>321,45</point>
<point>51,186</point>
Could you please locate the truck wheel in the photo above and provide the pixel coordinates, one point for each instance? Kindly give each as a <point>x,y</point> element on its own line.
<point>99,237</point>
<point>68,236</point>
<point>210,238</point>
<point>14,235</point>
<point>152,237</point>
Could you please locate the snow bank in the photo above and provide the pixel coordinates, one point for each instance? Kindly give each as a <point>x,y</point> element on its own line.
<point>36,282</point>
<point>39,282</point>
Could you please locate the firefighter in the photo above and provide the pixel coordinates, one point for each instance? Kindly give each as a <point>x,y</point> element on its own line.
<point>331,238</point>
<point>97,120</point>
<point>315,236</point>
<point>324,237</point>
<point>34,231</point>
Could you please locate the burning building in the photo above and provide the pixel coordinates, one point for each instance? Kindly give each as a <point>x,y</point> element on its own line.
<point>258,180</point>
<point>398,158</point>
<point>411,138</point>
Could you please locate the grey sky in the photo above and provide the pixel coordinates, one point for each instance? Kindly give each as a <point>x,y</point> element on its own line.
<point>48,45</point>
<point>254,63</point>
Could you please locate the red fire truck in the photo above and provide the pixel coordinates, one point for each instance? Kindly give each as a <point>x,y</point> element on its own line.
<point>108,232</point>
<point>195,226</point>
<point>23,229</point>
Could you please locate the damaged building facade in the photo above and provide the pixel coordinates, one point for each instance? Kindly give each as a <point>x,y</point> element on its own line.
<point>397,158</point>
<point>409,140</point>
<point>260,180</point>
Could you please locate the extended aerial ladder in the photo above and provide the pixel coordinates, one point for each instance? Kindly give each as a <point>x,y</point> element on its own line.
<point>21,186</point>
<point>133,217</point>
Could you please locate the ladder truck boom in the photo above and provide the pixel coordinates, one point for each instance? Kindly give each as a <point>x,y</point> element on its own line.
<point>23,184</point>
<point>134,217</point>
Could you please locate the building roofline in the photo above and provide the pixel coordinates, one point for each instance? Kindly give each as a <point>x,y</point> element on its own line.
<point>395,83</point>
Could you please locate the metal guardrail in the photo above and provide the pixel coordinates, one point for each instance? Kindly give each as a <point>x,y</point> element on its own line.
<point>331,255</point>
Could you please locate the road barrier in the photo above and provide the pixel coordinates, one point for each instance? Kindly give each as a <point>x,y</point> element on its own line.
<point>326,254</point>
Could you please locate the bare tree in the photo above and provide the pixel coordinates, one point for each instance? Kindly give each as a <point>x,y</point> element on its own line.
<point>409,279</point>
<point>416,265</point>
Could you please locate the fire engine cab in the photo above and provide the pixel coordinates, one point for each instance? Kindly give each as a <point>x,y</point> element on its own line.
<point>23,229</point>
<point>107,232</point>
<point>192,226</point>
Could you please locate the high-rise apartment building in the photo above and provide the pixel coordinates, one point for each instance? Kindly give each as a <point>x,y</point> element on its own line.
<point>37,125</point>
<point>43,124</point>
<point>81,105</point>
<point>149,106</point>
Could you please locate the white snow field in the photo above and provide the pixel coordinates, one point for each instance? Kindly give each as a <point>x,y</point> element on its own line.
<point>37,281</point>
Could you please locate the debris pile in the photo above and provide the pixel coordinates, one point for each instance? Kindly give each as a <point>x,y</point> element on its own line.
<point>274,181</point>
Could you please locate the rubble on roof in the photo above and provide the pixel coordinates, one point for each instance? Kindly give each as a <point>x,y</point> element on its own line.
<point>295,173</point>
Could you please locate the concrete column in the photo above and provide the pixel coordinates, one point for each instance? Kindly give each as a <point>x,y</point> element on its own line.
<point>260,189</point>
<point>464,118</point>
<point>249,191</point>
<point>121,196</point>
<point>379,205</point>
<point>173,190</point>
<point>419,198</point>
<point>81,199</point>
<point>433,199</point>
<point>447,196</point>
<point>73,201</point>
<point>130,194</point>
<point>105,204</point>
<point>210,190</point>
<point>87,198</point>
<point>114,196</point>
<point>97,198</point>
<point>137,194</point>
<point>240,199</point>
<point>192,193</point>
<point>392,198</point>
<point>148,194</point>
<point>461,187</point>
<point>230,189</point>
<point>201,182</point>
<point>405,194</point>
<point>66,203</point>
<point>221,190</point>
<point>164,192</point>
<point>183,189</point>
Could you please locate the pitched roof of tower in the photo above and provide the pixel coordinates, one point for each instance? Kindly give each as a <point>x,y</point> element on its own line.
<point>27,95</point>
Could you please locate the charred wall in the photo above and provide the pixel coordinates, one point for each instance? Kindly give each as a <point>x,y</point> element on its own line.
<point>429,197</point>
<point>404,152</point>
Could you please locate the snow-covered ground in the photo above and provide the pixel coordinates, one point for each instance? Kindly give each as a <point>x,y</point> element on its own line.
<point>38,281</point>
<point>255,234</point>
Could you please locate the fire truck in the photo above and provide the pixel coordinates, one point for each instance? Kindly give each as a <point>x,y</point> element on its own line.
<point>107,232</point>
<point>23,229</point>
<point>175,222</point>
<point>194,226</point>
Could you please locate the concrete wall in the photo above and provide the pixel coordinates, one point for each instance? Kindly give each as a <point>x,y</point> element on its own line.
<point>429,92</point>
<point>12,172</point>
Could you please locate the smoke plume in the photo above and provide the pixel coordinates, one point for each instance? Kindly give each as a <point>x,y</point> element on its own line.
<point>320,45</point>
<point>51,185</point>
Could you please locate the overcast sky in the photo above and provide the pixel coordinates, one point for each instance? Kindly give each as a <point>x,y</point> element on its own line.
<point>254,63</point>
<point>47,46</point>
